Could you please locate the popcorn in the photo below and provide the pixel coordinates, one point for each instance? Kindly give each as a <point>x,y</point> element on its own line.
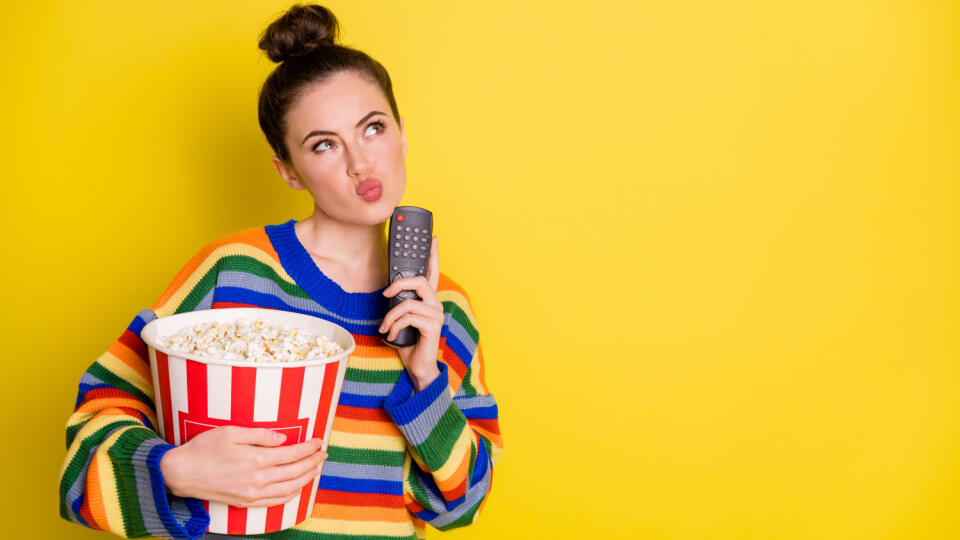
<point>256,341</point>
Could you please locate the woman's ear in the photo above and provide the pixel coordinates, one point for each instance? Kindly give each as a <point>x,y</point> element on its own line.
<point>287,173</point>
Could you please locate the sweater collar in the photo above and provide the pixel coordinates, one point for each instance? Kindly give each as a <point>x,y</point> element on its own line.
<point>326,292</point>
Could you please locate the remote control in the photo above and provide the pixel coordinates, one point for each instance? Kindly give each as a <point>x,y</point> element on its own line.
<point>408,252</point>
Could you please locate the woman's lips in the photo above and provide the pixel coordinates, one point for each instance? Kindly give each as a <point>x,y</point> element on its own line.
<point>372,194</point>
<point>370,189</point>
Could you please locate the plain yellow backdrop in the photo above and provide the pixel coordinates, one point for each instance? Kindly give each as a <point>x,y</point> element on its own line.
<point>712,246</point>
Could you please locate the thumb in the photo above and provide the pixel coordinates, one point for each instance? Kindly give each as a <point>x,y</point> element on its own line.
<point>260,437</point>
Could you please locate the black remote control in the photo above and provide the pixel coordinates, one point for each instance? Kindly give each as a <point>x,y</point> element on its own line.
<point>408,252</point>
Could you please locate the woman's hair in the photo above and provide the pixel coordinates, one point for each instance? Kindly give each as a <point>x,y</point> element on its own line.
<point>302,41</point>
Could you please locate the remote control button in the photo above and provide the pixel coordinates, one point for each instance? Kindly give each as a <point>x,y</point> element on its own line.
<point>399,227</point>
<point>396,253</point>
<point>395,267</point>
<point>416,229</point>
<point>407,294</point>
<point>398,236</point>
<point>423,248</point>
<point>397,244</point>
<point>406,229</point>
<point>405,254</point>
<point>406,237</point>
<point>422,256</point>
<point>399,217</point>
<point>405,246</point>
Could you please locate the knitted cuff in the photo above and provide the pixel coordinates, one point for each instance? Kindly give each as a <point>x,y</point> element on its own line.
<point>429,419</point>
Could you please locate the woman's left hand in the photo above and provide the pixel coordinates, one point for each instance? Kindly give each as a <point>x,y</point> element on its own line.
<point>426,315</point>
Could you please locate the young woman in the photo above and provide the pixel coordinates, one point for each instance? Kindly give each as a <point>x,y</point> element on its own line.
<point>416,431</point>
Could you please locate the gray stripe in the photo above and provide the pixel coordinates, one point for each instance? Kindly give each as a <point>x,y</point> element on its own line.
<point>207,301</point>
<point>148,507</point>
<point>438,504</point>
<point>367,389</point>
<point>454,327</point>
<point>420,427</point>
<point>474,495</point>
<point>474,402</point>
<point>364,472</point>
<point>90,379</point>
<point>233,278</point>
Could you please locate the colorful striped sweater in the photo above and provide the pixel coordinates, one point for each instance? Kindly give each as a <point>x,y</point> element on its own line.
<point>398,459</point>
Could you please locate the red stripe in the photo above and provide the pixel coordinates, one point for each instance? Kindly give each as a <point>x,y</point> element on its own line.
<point>361,413</point>
<point>220,305</point>
<point>379,500</point>
<point>243,385</point>
<point>326,398</point>
<point>163,376</point>
<point>304,501</point>
<point>134,343</point>
<point>196,388</point>
<point>291,389</point>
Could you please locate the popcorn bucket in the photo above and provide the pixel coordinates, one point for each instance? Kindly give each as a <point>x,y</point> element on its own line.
<point>297,398</point>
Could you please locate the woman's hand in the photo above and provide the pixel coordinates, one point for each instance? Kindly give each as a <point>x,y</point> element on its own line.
<point>241,466</point>
<point>426,315</point>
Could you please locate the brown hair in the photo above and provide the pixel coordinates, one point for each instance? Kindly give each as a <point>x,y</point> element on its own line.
<point>302,41</point>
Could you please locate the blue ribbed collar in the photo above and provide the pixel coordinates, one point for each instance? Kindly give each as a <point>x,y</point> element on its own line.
<point>298,263</point>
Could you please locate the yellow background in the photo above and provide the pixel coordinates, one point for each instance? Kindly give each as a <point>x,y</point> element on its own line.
<point>730,307</point>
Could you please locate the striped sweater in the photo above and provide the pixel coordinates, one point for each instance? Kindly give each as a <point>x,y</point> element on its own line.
<point>398,459</point>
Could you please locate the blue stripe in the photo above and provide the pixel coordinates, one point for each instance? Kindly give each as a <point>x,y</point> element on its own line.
<point>199,518</point>
<point>481,413</point>
<point>246,296</point>
<point>480,465</point>
<point>354,485</point>
<point>459,349</point>
<point>358,400</point>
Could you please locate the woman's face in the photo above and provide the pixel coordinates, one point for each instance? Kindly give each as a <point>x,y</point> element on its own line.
<point>341,133</point>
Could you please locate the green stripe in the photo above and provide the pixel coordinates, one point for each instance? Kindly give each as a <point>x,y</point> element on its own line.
<point>121,453</point>
<point>199,291</point>
<point>435,450</point>
<point>457,313</point>
<point>419,494</point>
<point>365,457</point>
<point>297,534</point>
<point>111,378</point>
<point>468,388</point>
<point>246,263</point>
<point>78,464</point>
<point>390,376</point>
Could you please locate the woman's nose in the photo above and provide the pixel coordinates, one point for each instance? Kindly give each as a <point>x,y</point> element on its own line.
<point>357,163</point>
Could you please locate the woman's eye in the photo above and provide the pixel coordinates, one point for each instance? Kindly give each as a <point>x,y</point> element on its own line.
<point>320,148</point>
<point>376,124</point>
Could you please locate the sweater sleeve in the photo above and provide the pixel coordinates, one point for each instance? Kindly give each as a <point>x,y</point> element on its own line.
<point>451,426</point>
<point>110,479</point>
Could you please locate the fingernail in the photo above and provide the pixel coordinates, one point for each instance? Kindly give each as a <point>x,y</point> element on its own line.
<point>279,437</point>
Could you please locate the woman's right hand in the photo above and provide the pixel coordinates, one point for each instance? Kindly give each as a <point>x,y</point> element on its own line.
<point>241,466</point>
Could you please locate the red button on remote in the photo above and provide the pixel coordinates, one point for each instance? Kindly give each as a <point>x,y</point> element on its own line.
<point>400,217</point>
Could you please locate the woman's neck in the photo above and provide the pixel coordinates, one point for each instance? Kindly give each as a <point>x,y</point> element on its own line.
<point>359,248</point>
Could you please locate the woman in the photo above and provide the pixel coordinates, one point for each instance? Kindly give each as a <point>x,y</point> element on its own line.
<point>416,432</point>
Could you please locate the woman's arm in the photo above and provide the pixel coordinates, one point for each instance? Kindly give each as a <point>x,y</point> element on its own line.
<point>451,426</point>
<point>110,479</point>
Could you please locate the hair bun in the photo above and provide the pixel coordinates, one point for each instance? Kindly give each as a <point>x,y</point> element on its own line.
<point>299,31</point>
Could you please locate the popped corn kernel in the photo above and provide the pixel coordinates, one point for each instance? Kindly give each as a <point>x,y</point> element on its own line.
<point>243,340</point>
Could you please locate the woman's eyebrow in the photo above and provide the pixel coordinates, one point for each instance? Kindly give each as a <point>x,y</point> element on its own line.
<point>318,132</point>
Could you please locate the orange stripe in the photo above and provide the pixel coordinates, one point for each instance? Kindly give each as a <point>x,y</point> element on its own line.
<point>361,513</point>
<point>131,359</point>
<point>255,236</point>
<point>445,283</point>
<point>94,497</point>
<point>366,427</point>
<point>111,403</point>
<point>455,483</point>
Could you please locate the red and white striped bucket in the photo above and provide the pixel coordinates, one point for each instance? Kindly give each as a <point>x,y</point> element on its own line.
<point>298,399</point>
